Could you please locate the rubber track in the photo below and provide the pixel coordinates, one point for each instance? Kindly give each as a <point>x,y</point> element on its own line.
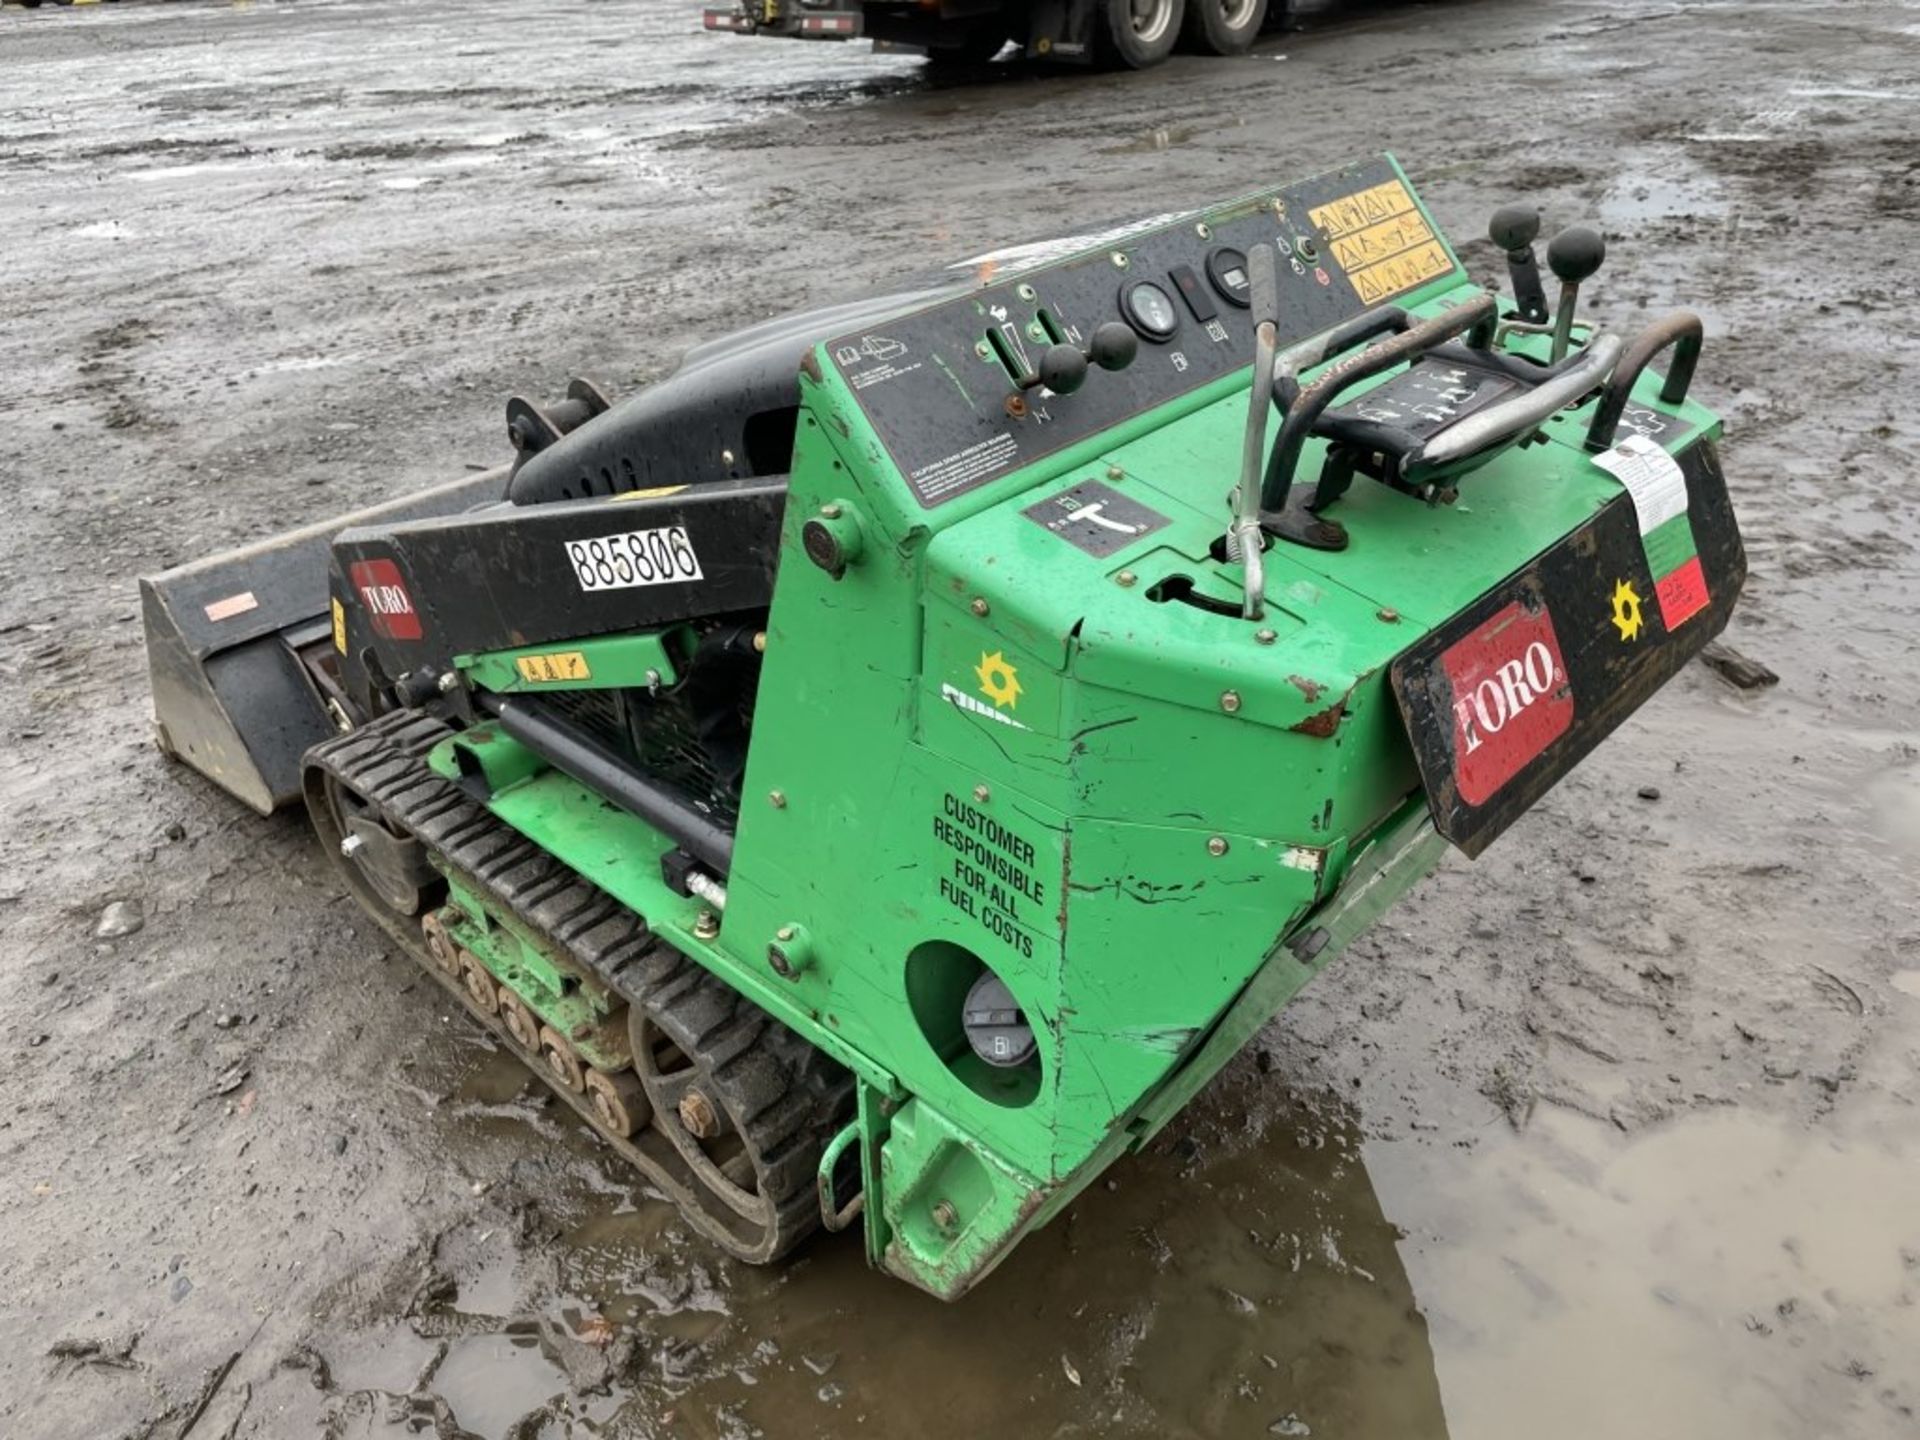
<point>786,1096</point>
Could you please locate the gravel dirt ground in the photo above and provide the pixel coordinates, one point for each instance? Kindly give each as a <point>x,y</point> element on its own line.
<point>1611,1132</point>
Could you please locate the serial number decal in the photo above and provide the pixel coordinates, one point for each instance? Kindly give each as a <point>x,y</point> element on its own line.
<point>639,557</point>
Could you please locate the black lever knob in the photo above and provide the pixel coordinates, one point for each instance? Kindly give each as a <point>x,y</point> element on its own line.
<point>1113,346</point>
<point>1063,369</point>
<point>1575,253</point>
<point>1514,227</point>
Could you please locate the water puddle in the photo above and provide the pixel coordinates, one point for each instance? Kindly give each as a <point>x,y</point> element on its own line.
<point>1642,197</point>
<point>1895,798</point>
<point>1726,1274</point>
<point>1240,1280</point>
<point>492,1381</point>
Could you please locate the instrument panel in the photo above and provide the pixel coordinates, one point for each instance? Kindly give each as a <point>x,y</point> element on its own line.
<point>943,387</point>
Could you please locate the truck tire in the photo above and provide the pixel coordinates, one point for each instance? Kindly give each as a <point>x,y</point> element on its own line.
<point>1133,34</point>
<point>1224,27</point>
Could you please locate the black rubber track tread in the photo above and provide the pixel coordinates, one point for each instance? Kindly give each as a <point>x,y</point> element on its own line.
<point>786,1096</point>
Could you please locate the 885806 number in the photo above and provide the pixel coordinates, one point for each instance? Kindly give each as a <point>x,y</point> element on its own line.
<point>639,557</point>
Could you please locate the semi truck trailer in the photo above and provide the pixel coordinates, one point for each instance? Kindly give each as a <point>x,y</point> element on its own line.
<point>1123,34</point>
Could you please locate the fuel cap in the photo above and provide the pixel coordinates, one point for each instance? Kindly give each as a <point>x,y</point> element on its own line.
<point>996,1027</point>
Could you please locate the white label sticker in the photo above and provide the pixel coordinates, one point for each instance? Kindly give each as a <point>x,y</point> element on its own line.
<point>639,557</point>
<point>1652,478</point>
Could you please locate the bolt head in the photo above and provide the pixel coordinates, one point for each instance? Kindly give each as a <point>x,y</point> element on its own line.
<point>1217,845</point>
<point>982,794</point>
<point>979,606</point>
<point>777,799</point>
<point>706,925</point>
<point>760,642</point>
<point>449,682</point>
<point>698,1115</point>
<point>1120,260</point>
<point>831,512</point>
<point>1230,701</point>
<point>1265,637</point>
<point>1126,579</point>
<point>352,845</point>
<point>1390,615</point>
<point>785,932</point>
<point>1114,472</point>
<point>944,1215</point>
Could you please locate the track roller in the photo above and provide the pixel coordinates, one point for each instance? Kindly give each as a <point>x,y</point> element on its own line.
<point>481,987</point>
<point>522,1024</point>
<point>440,945</point>
<point>618,1100</point>
<point>562,1060</point>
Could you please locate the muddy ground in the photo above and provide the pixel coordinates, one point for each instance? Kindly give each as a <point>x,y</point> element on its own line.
<point>1612,1132</point>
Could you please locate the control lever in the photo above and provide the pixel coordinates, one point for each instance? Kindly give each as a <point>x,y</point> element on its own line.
<point>1063,369</point>
<point>1513,229</point>
<point>1245,541</point>
<point>1573,255</point>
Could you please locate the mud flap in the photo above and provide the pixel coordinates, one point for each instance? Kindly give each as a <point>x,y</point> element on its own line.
<point>232,694</point>
<point>1515,691</point>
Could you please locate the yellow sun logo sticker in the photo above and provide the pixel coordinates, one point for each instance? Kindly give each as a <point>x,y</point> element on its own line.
<point>999,681</point>
<point>1626,610</point>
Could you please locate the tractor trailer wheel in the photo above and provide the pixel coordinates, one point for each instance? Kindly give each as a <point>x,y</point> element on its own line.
<point>1224,27</point>
<point>1133,34</point>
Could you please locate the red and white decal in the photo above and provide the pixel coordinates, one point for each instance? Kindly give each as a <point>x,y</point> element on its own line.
<point>1511,699</point>
<point>384,595</point>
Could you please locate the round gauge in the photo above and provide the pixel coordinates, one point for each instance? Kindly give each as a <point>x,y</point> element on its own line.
<point>1227,269</point>
<point>1149,309</point>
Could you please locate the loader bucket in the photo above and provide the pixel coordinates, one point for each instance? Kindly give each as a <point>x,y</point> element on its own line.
<point>230,640</point>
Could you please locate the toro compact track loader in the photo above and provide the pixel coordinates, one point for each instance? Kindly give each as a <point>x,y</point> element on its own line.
<point>880,773</point>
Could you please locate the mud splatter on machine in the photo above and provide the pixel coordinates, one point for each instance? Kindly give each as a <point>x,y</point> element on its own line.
<point>879,774</point>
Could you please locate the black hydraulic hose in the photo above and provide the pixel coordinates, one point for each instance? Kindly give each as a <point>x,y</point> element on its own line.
<point>568,748</point>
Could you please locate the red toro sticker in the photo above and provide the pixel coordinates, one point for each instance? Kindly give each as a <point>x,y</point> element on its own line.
<point>384,594</point>
<point>1511,699</point>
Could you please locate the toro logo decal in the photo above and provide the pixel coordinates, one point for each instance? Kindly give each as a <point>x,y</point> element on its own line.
<point>384,593</point>
<point>1511,699</point>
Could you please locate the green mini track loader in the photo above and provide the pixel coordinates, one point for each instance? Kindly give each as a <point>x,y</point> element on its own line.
<point>879,774</point>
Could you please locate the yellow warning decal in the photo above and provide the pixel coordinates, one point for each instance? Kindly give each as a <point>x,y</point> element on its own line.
<point>339,627</point>
<point>553,669</point>
<point>1382,241</point>
<point>659,492</point>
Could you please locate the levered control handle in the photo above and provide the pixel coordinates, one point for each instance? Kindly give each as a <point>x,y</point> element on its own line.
<point>1681,330</point>
<point>1478,315</point>
<point>1245,541</point>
